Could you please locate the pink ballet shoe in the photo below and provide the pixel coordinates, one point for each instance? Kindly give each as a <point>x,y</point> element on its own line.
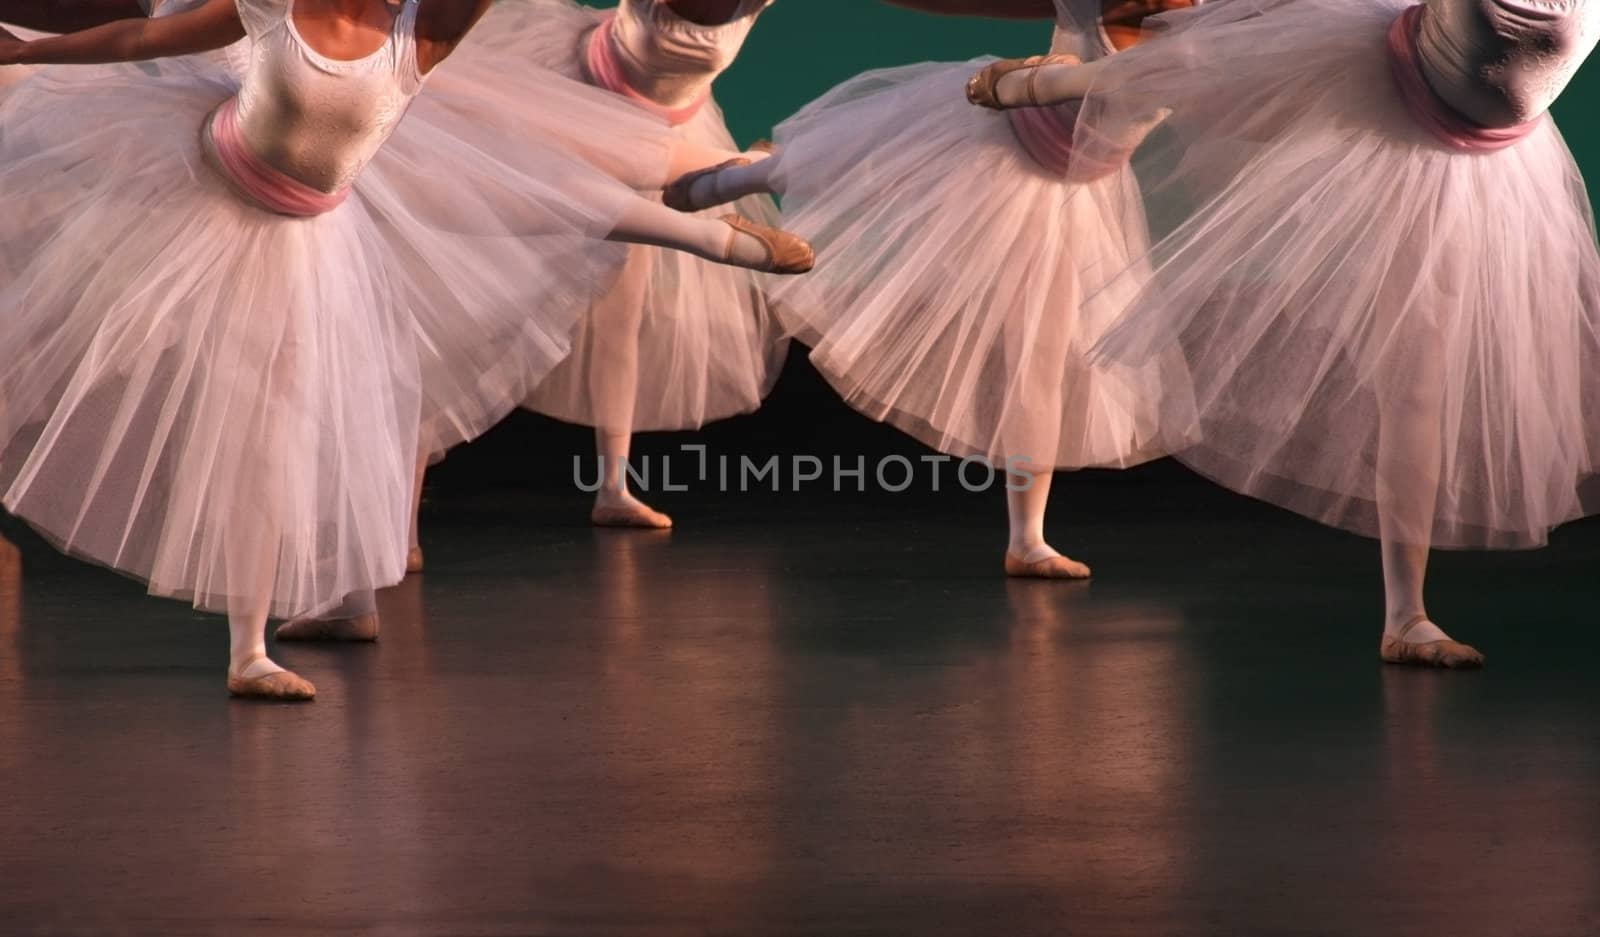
<point>414,560</point>
<point>983,89</point>
<point>635,517</point>
<point>360,628</point>
<point>284,686</point>
<point>1051,567</point>
<point>679,194</point>
<point>787,254</point>
<point>1447,654</point>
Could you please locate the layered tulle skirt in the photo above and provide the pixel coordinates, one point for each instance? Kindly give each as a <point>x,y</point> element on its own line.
<point>676,342</point>
<point>950,272</point>
<point>1364,314</point>
<point>203,394</point>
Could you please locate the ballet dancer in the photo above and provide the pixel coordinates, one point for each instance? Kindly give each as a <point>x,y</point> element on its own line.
<point>677,342</point>
<point>1389,304</point>
<point>957,246</point>
<point>239,302</point>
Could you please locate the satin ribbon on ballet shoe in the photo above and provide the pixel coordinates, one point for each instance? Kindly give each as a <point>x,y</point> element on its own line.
<point>635,518</point>
<point>679,194</point>
<point>1448,653</point>
<point>1050,567</point>
<point>360,628</point>
<point>787,254</point>
<point>282,686</point>
<point>983,89</point>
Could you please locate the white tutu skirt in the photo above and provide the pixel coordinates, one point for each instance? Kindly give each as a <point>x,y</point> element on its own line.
<point>676,342</point>
<point>186,374</point>
<point>1359,307</point>
<point>950,270</point>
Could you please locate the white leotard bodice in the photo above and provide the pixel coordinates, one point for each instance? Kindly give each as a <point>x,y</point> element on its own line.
<point>671,60</point>
<point>1504,62</point>
<point>321,120</point>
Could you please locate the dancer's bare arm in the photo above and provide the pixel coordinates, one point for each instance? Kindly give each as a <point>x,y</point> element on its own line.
<point>212,26</point>
<point>441,25</point>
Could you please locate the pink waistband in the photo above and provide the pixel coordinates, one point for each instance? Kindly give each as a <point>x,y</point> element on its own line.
<point>1426,107</point>
<point>268,187</point>
<point>606,71</point>
<point>1048,133</point>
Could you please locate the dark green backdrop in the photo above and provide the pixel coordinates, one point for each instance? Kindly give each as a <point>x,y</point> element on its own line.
<point>803,47</point>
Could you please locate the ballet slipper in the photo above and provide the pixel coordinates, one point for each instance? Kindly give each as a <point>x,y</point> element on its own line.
<point>414,560</point>
<point>1448,653</point>
<point>280,685</point>
<point>679,194</point>
<point>635,516</point>
<point>786,254</point>
<point>360,628</point>
<point>983,89</point>
<point>1055,566</point>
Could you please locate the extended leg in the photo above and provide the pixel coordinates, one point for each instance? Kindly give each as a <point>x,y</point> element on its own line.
<point>730,240</point>
<point>1410,443</point>
<point>613,385</point>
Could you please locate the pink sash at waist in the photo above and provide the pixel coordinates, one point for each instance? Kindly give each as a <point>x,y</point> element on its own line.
<point>606,71</point>
<point>1427,109</point>
<point>268,187</point>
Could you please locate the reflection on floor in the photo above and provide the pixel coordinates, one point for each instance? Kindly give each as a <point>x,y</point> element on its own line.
<point>830,717</point>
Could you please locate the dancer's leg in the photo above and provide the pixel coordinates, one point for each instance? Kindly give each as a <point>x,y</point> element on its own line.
<point>1028,555</point>
<point>614,504</point>
<point>700,189</point>
<point>1046,84</point>
<point>613,385</point>
<point>753,247</point>
<point>1410,452</point>
<point>252,535</point>
<point>251,564</point>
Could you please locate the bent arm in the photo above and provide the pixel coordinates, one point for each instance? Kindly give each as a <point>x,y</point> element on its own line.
<point>212,26</point>
<point>441,25</point>
<point>993,9</point>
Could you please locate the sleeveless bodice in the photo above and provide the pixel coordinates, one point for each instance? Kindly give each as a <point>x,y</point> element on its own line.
<point>316,119</point>
<point>1504,62</point>
<point>672,60</point>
